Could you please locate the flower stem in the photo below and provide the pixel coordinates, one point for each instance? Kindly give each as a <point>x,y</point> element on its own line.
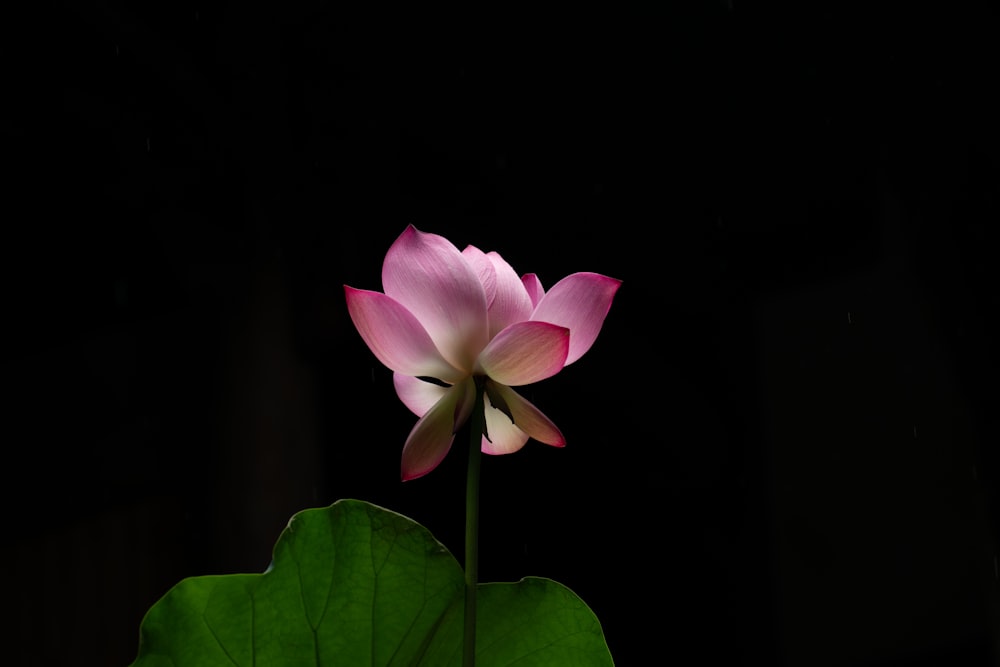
<point>476,422</point>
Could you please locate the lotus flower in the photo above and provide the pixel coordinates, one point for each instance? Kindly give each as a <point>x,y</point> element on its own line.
<point>449,319</point>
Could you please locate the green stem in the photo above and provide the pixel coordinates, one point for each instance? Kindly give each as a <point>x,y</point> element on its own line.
<point>472,525</point>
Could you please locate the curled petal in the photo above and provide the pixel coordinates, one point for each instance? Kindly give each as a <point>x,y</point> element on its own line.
<point>432,435</point>
<point>534,288</point>
<point>505,437</point>
<point>528,418</point>
<point>395,336</point>
<point>526,352</point>
<point>511,303</point>
<point>430,277</point>
<point>483,268</point>
<point>579,302</point>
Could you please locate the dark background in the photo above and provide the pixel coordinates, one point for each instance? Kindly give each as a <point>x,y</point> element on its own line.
<point>781,447</point>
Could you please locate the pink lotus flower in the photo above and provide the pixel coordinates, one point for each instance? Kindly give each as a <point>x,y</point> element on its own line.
<point>448,319</point>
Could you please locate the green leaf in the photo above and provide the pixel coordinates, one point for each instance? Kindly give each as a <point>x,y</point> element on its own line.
<point>355,584</point>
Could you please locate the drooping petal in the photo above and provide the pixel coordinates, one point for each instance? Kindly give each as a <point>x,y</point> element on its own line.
<point>483,268</point>
<point>416,394</point>
<point>432,435</point>
<point>511,303</point>
<point>395,336</point>
<point>505,437</point>
<point>420,396</point>
<point>430,277</point>
<point>528,418</point>
<point>525,352</point>
<point>534,288</point>
<point>579,302</point>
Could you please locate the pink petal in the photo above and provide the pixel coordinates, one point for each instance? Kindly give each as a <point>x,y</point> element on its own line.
<point>528,418</point>
<point>431,437</point>
<point>579,302</point>
<point>395,336</point>
<point>534,287</point>
<point>525,352</point>
<point>431,278</point>
<point>511,303</point>
<point>483,268</point>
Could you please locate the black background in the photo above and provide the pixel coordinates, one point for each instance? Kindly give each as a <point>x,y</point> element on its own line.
<point>781,447</point>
